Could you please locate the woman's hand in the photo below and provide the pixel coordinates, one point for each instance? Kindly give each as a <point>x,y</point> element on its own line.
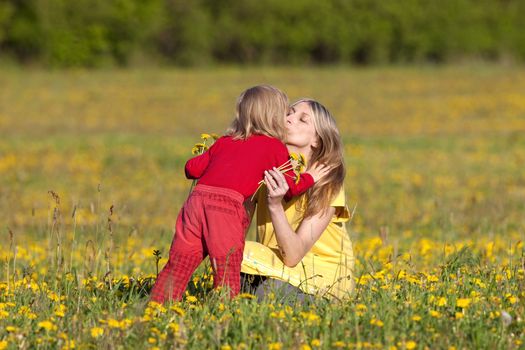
<point>318,171</point>
<point>294,244</point>
<point>277,186</point>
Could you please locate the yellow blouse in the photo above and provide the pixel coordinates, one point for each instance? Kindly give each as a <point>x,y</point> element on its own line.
<point>326,270</point>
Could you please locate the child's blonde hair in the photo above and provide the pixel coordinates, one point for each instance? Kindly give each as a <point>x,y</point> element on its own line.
<point>260,110</point>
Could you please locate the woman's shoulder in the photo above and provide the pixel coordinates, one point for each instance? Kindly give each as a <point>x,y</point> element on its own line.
<point>339,199</point>
<point>342,214</point>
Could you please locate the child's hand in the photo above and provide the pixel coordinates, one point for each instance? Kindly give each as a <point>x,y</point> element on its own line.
<point>318,171</point>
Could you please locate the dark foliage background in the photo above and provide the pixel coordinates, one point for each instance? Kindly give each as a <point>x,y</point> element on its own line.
<point>198,32</point>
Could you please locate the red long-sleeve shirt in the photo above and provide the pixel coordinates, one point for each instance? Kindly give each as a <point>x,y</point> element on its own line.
<point>240,164</point>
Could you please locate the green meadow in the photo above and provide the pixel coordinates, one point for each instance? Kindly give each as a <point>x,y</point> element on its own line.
<point>91,181</point>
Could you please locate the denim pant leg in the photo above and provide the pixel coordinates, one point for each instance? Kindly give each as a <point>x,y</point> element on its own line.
<point>283,292</point>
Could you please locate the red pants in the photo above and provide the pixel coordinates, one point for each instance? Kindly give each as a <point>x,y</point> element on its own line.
<point>213,222</point>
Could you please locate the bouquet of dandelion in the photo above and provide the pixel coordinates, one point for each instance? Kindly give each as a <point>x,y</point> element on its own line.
<point>201,147</point>
<point>296,162</point>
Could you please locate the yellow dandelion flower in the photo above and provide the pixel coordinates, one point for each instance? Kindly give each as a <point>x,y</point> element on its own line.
<point>53,296</point>
<point>434,313</point>
<point>310,316</point>
<point>47,325</point>
<point>302,159</point>
<point>376,322</point>
<point>112,323</point>
<point>152,340</point>
<point>338,344</point>
<point>3,344</point>
<point>411,345</point>
<point>177,310</point>
<point>96,332</point>
<point>463,302</point>
<point>511,298</point>
<point>69,344</point>
<point>60,310</point>
<point>174,327</point>
<point>442,301</point>
<point>361,307</point>
<point>416,318</point>
<point>125,323</point>
<point>275,346</point>
<point>279,314</point>
<point>432,278</point>
<point>494,314</point>
<point>459,315</point>
<point>226,347</point>
<point>305,347</point>
<point>246,296</point>
<point>205,136</point>
<point>191,299</point>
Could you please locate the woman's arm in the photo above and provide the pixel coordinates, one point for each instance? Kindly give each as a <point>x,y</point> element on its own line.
<point>293,244</point>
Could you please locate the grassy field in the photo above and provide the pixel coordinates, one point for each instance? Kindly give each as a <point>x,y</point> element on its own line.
<point>91,180</point>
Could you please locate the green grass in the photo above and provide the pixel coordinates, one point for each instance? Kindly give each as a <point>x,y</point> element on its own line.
<point>435,161</point>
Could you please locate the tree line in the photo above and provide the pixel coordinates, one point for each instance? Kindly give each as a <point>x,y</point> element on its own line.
<point>94,33</point>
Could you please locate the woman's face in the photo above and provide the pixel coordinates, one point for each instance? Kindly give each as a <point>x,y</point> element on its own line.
<point>300,129</point>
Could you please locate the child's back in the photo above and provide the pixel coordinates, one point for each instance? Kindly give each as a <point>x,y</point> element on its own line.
<point>240,164</point>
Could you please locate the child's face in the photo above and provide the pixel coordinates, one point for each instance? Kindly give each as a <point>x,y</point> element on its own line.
<point>300,128</point>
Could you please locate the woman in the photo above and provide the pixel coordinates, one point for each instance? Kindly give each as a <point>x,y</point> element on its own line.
<point>302,245</point>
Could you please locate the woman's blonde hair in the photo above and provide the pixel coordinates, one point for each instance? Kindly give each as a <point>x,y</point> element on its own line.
<point>260,110</point>
<point>328,151</point>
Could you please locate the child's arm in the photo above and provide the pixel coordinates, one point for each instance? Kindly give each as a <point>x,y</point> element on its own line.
<point>195,166</point>
<point>306,180</point>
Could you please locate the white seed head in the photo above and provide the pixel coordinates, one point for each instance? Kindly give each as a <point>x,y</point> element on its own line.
<point>506,318</point>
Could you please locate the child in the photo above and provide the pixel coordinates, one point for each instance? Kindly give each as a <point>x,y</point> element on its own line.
<point>213,219</point>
